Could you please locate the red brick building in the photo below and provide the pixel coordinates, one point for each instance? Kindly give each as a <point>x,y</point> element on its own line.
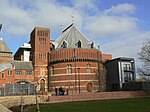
<point>40,47</point>
<point>5,52</point>
<point>76,62</point>
<point>71,61</point>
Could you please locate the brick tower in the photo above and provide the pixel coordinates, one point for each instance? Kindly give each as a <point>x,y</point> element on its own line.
<point>40,45</point>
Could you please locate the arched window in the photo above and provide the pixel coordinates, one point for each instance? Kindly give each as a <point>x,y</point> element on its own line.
<point>42,85</point>
<point>92,45</point>
<point>69,69</point>
<point>79,44</point>
<point>2,75</point>
<point>88,68</point>
<point>52,70</point>
<point>64,44</point>
<point>53,46</point>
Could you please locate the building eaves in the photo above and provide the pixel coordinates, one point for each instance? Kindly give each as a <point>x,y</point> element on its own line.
<point>4,47</point>
<point>23,65</point>
<point>121,59</point>
<point>5,66</point>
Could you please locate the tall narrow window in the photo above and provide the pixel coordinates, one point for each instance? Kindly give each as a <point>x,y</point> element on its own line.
<point>52,70</point>
<point>46,33</point>
<point>28,72</point>
<point>92,45</point>
<point>42,85</point>
<point>53,47</point>
<point>69,69</point>
<point>88,69</point>
<point>45,41</point>
<point>9,72</point>
<point>64,45</point>
<point>126,67</point>
<point>18,72</point>
<point>79,44</point>
<point>127,77</point>
<point>2,75</point>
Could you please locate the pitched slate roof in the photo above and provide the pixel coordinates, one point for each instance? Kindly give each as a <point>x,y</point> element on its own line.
<point>4,47</point>
<point>71,35</point>
<point>23,65</point>
<point>5,66</point>
<point>20,65</point>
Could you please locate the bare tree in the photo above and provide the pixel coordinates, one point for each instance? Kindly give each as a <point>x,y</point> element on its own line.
<point>144,56</point>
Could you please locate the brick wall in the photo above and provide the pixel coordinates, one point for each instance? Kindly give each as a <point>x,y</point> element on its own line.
<point>5,59</point>
<point>98,96</point>
<point>106,56</point>
<point>10,101</point>
<point>14,78</point>
<point>79,53</point>
<point>61,78</point>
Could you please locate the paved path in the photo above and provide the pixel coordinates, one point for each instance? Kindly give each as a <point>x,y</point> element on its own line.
<point>4,109</point>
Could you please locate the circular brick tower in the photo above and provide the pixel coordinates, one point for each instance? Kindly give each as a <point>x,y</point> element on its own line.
<point>75,63</point>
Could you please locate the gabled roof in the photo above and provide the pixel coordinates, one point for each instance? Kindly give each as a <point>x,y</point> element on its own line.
<point>5,66</point>
<point>23,65</point>
<point>18,65</point>
<point>71,35</point>
<point>4,47</point>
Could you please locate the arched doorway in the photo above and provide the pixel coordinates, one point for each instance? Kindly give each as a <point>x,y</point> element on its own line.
<point>42,85</point>
<point>89,87</point>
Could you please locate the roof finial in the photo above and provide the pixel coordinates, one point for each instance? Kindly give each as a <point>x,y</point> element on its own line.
<point>98,47</point>
<point>62,27</point>
<point>72,19</point>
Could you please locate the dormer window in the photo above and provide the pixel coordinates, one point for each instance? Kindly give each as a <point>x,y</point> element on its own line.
<point>92,45</point>
<point>52,47</point>
<point>79,44</point>
<point>64,44</point>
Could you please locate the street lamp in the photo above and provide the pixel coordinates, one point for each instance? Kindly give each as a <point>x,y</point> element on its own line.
<point>22,83</point>
<point>79,78</point>
<point>37,105</point>
<point>75,69</point>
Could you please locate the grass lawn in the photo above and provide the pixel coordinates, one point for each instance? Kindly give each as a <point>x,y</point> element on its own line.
<point>121,105</point>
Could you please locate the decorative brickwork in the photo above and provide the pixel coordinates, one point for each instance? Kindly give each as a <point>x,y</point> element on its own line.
<point>84,69</point>
<point>5,59</point>
<point>40,47</point>
<point>71,61</point>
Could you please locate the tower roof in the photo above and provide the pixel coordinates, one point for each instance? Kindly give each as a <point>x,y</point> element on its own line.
<point>4,47</point>
<point>71,35</point>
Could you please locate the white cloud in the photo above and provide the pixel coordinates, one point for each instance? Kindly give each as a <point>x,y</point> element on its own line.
<point>128,45</point>
<point>19,19</point>
<point>117,25</point>
<point>90,4</point>
<point>117,31</point>
<point>121,9</point>
<point>105,25</point>
<point>15,20</point>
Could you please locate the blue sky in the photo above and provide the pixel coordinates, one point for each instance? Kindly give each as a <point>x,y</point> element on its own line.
<point>119,26</point>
